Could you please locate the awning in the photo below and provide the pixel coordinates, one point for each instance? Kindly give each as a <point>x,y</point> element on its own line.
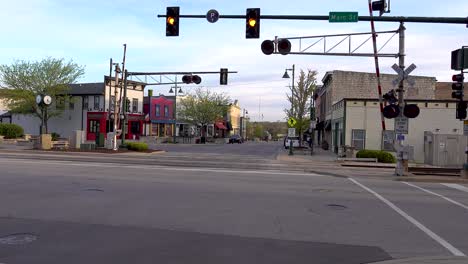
<point>220,125</point>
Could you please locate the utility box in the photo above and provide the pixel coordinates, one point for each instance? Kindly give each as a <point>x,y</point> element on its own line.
<point>100,137</point>
<point>76,139</point>
<point>444,150</point>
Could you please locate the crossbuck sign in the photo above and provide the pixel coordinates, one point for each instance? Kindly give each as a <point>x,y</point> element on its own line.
<point>403,74</point>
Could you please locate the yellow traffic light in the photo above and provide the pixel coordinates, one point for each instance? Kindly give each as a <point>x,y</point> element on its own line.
<point>252,22</point>
<point>171,20</point>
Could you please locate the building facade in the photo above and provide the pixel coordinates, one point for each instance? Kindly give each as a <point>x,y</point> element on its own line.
<point>89,109</point>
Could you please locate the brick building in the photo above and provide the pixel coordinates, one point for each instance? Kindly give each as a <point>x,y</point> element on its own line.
<point>348,112</point>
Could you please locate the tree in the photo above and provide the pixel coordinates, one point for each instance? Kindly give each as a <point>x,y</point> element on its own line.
<point>22,81</point>
<point>203,107</point>
<point>300,99</point>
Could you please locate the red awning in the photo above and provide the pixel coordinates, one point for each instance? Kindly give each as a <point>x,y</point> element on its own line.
<point>220,125</point>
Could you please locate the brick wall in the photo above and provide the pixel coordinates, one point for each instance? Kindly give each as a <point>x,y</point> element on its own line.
<point>346,84</point>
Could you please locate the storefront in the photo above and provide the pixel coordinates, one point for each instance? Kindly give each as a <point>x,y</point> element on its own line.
<point>97,122</point>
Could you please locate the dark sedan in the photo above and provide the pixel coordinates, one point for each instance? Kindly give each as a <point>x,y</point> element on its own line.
<point>235,139</point>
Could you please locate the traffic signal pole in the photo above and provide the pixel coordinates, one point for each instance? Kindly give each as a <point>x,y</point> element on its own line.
<point>402,164</point>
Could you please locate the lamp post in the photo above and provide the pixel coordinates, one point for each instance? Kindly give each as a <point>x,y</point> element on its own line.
<point>175,107</point>
<point>286,76</point>
<point>243,125</point>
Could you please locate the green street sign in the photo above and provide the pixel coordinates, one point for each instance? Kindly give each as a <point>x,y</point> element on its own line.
<point>292,122</point>
<point>343,17</point>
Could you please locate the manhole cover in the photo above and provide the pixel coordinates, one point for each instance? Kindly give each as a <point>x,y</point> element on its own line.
<point>337,206</point>
<point>18,239</point>
<point>94,190</point>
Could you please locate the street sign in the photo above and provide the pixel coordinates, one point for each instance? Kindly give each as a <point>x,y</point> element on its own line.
<point>401,125</point>
<point>403,75</point>
<point>400,137</point>
<point>343,17</point>
<point>212,16</point>
<point>465,127</point>
<point>291,132</point>
<point>292,122</point>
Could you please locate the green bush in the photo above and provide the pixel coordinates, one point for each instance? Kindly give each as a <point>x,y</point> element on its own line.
<point>381,156</point>
<point>137,146</point>
<point>55,136</point>
<point>11,130</point>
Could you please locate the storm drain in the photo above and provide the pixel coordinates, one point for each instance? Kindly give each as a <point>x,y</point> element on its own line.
<point>18,239</point>
<point>337,206</point>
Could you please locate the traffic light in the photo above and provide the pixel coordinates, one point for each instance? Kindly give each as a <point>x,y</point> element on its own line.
<point>187,79</point>
<point>223,76</point>
<point>268,47</point>
<point>457,86</point>
<point>391,111</point>
<point>252,23</point>
<point>127,105</point>
<point>461,110</point>
<point>172,21</point>
<point>284,46</point>
<point>411,111</point>
<point>380,6</point>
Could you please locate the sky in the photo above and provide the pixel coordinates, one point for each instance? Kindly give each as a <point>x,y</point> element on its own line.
<point>91,32</point>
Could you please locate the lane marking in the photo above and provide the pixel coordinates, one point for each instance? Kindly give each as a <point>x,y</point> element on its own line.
<point>439,195</point>
<point>437,238</point>
<point>152,167</point>
<point>456,186</point>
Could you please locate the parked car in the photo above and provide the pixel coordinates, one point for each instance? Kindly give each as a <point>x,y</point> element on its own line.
<point>295,142</point>
<point>235,139</point>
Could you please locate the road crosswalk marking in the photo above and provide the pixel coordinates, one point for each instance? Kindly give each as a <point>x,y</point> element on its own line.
<point>439,195</point>
<point>456,186</point>
<point>437,238</point>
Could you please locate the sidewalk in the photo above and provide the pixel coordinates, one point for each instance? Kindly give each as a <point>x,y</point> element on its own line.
<point>325,162</point>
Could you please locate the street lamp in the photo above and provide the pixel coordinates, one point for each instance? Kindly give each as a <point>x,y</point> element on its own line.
<point>175,106</point>
<point>286,76</point>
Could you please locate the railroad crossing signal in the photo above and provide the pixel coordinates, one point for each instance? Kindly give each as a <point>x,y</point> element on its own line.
<point>292,121</point>
<point>172,21</point>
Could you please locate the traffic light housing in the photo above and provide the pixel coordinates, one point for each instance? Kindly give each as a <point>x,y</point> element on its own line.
<point>411,110</point>
<point>252,23</point>
<point>461,110</point>
<point>391,111</point>
<point>457,86</point>
<point>188,79</point>
<point>284,46</point>
<point>268,47</point>
<point>172,21</point>
<point>223,76</point>
<point>380,6</point>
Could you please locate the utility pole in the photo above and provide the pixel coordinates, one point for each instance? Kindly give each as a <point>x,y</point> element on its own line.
<point>402,165</point>
<point>110,96</point>
<point>124,99</point>
<point>175,110</point>
<point>116,112</point>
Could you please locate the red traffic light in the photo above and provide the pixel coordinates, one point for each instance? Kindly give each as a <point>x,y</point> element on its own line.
<point>187,79</point>
<point>458,78</point>
<point>391,111</point>
<point>268,47</point>
<point>411,110</point>
<point>196,79</point>
<point>284,46</point>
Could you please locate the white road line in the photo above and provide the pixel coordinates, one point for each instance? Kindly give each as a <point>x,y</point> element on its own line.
<point>415,222</point>
<point>152,167</point>
<point>439,195</point>
<point>456,186</point>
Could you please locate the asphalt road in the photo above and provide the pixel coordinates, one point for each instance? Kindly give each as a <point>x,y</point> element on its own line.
<point>79,212</point>
<point>259,149</point>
